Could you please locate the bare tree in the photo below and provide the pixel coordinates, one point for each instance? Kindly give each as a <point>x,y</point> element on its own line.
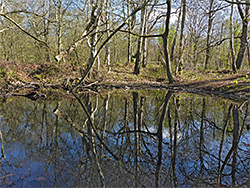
<point>108,6</point>
<point>94,56</point>
<point>140,41</point>
<point>175,36</point>
<point>165,42</point>
<point>243,38</point>
<point>234,68</point>
<point>210,22</point>
<point>179,64</point>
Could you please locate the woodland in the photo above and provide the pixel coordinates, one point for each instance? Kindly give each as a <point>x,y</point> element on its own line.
<point>143,93</point>
<point>196,46</point>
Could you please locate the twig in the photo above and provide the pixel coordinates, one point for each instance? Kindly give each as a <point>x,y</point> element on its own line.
<point>6,176</point>
<point>89,85</point>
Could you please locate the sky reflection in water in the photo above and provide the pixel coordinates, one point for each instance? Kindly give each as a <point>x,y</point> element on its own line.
<point>144,139</point>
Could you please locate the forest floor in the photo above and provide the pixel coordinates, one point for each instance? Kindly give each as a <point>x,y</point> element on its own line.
<point>20,79</point>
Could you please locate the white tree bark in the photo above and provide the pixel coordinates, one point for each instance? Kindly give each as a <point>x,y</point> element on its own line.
<point>107,4</point>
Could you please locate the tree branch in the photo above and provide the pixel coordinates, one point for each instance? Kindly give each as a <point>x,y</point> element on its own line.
<point>237,3</point>
<point>216,44</point>
<point>23,30</point>
<point>143,36</point>
<point>106,41</point>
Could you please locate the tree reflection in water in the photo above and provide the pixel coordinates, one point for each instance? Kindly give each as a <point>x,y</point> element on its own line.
<point>124,139</point>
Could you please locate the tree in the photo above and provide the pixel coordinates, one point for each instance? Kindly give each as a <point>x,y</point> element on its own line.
<point>175,36</point>
<point>108,20</point>
<point>234,68</point>
<point>165,42</point>
<point>140,41</point>
<point>210,22</point>
<point>180,63</point>
<point>94,56</point>
<point>243,38</point>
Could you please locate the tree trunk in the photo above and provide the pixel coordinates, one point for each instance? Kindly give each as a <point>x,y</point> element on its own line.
<point>210,22</point>
<point>129,35</point>
<point>218,64</point>
<point>144,40</point>
<point>93,40</point>
<point>59,19</point>
<point>248,53</point>
<point>108,33</point>
<point>175,35</point>
<point>139,44</point>
<point>46,29</point>
<point>179,64</point>
<point>165,42</point>
<point>232,40</point>
<point>243,38</point>
<point>195,53</point>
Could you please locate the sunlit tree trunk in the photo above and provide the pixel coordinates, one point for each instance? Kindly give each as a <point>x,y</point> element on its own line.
<point>59,20</point>
<point>129,35</point>
<point>195,52</point>
<point>46,26</point>
<point>210,23</point>
<point>175,35</point>
<point>139,43</point>
<point>219,63</point>
<point>248,53</point>
<point>165,42</point>
<point>232,39</point>
<point>144,40</point>
<point>180,63</point>
<point>107,5</point>
<point>96,10</point>
<point>243,38</point>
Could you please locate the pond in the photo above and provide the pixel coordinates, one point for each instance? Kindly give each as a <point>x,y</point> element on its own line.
<point>121,138</point>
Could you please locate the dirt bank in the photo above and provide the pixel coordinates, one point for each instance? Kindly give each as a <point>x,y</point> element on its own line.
<point>23,79</point>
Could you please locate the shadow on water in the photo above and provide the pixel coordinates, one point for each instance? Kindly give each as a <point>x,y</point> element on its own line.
<point>124,139</point>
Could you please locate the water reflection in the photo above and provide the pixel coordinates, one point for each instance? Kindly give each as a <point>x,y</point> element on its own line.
<point>124,139</point>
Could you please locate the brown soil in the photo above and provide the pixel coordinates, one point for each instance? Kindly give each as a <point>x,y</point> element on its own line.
<point>25,78</point>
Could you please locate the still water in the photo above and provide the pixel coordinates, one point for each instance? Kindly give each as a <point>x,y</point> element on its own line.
<point>124,139</point>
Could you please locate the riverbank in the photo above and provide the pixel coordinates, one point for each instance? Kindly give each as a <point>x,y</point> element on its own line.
<point>22,79</point>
